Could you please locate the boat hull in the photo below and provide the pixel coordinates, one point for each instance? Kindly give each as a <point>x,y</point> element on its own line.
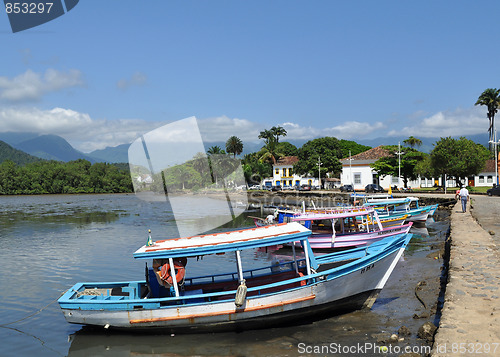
<point>324,241</point>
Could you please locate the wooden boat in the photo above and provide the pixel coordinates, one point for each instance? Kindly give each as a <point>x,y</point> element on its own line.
<point>387,220</point>
<point>346,228</point>
<point>402,205</point>
<point>289,292</point>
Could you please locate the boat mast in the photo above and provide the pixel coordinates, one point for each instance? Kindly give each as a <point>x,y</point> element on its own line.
<point>172,274</point>
<point>238,264</point>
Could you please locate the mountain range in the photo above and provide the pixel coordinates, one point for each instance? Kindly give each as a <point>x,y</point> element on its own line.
<point>54,147</point>
<point>14,146</point>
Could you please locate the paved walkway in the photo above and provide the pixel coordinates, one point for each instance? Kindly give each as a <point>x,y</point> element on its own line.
<point>470,322</point>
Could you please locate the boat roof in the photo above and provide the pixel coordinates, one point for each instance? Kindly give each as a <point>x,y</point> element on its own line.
<point>224,242</point>
<point>389,201</point>
<point>334,214</point>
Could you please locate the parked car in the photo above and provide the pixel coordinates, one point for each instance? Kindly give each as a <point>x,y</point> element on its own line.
<point>276,188</point>
<point>254,187</point>
<point>373,188</point>
<point>305,188</point>
<point>495,190</point>
<point>346,188</point>
<point>287,188</point>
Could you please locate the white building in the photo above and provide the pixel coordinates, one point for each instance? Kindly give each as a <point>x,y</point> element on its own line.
<point>284,176</point>
<point>356,170</point>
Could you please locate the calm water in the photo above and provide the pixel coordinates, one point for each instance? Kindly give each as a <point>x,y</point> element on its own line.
<point>48,243</point>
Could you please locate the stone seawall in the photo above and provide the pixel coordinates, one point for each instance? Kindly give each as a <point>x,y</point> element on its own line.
<point>329,198</point>
<point>470,320</point>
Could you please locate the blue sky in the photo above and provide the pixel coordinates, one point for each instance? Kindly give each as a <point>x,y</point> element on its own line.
<point>109,71</point>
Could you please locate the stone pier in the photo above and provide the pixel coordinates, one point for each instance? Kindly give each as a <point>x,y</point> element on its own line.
<point>470,322</point>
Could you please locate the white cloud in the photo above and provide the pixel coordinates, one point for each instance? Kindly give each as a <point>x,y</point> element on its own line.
<point>347,130</point>
<point>460,122</point>
<point>83,132</point>
<point>137,79</point>
<point>221,128</point>
<point>31,86</point>
<point>87,134</point>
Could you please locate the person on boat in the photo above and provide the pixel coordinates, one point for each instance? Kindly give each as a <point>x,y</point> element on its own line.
<point>270,219</point>
<point>464,197</point>
<point>162,271</point>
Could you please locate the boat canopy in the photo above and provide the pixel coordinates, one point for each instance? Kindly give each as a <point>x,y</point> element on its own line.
<point>334,214</point>
<point>224,242</point>
<point>392,201</point>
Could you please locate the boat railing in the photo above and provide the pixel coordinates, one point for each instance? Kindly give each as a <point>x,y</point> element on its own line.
<point>247,274</point>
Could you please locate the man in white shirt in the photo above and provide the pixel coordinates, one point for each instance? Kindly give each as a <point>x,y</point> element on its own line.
<point>464,196</point>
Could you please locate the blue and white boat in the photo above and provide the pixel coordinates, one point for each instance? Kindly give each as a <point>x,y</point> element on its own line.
<point>407,205</point>
<point>288,292</point>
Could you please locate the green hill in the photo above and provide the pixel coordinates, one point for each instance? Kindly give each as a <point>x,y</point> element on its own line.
<point>19,157</point>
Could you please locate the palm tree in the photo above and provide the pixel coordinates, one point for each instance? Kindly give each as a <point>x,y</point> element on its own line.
<point>491,99</point>
<point>268,137</point>
<point>269,151</point>
<point>412,141</point>
<point>215,150</point>
<point>234,145</point>
<point>278,131</point>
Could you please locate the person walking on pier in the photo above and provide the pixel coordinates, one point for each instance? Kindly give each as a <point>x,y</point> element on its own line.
<point>464,196</point>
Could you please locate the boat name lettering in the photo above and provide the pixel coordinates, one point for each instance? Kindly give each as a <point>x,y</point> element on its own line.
<point>365,269</point>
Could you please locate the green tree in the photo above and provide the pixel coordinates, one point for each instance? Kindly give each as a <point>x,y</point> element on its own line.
<point>327,149</point>
<point>234,145</point>
<point>287,149</point>
<point>392,165</point>
<point>491,99</point>
<point>424,167</point>
<point>78,176</point>
<point>254,169</point>
<point>278,131</point>
<point>270,152</point>
<point>458,158</point>
<point>353,147</point>
<point>215,150</point>
<point>412,142</point>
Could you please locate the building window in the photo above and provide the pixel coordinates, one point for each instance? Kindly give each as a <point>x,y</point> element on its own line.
<point>278,183</point>
<point>395,179</point>
<point>290,172</point>
<point>357,178</point>
<point>481,179</point>
<point>290,182</point>
<point>490,179</point>
<point>284,172</point>
<point>277,171</point>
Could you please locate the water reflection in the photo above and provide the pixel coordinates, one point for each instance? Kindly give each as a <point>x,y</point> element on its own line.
<point>48,243</point>
<point>95,343</point>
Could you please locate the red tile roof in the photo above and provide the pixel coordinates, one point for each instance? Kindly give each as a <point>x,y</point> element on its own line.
<point>288,160</point>
<point>489,166</point>
<point>372,154</point>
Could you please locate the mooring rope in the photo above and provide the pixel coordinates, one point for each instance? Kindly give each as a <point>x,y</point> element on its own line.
<point>420,283</point>
<point>33,314</point>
